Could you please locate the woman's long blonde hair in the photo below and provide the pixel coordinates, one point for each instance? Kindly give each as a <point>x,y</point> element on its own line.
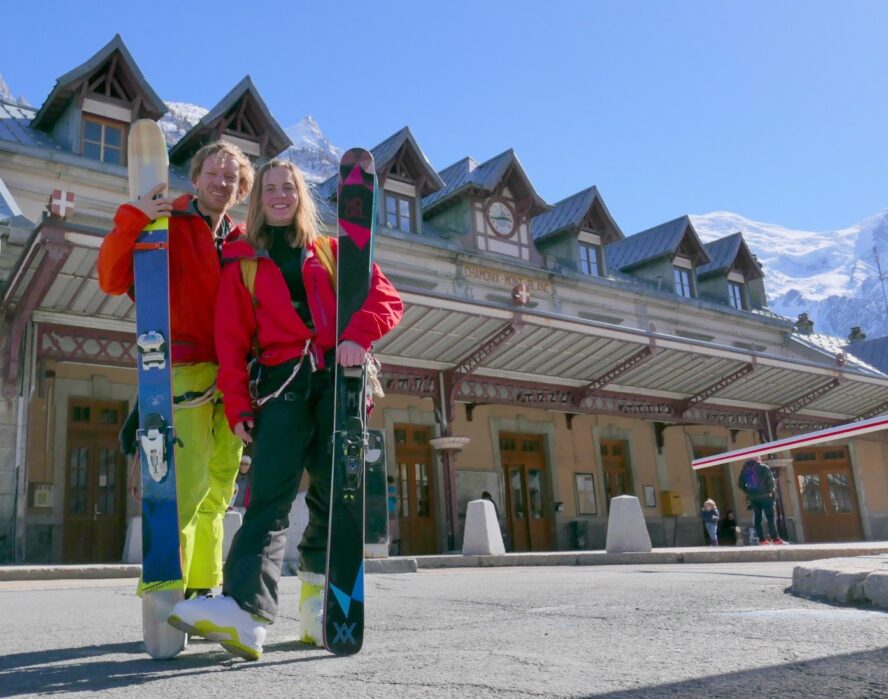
<point>306,226</point>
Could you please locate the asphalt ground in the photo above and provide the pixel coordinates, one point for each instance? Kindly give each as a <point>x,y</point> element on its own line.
<point>707,630</point>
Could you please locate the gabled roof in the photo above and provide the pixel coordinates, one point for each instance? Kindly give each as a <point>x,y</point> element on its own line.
<point>385,154</point>
<point>570,213</point>
<point>150,105</point>
<point>874,352</point>
<point>403,144</point>
<point>467,174</point>
<point>670,238</point>
<point>244,95</point>
<point>728,253</point>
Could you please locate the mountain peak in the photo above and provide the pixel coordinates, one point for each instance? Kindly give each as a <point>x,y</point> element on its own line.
<point>7,96</point>
<point>830,274</point>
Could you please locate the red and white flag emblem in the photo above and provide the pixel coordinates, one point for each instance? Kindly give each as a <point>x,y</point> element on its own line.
<point>61,203</point>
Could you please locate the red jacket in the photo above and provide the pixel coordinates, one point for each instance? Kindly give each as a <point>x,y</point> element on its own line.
<point>276,325</point>
<point>195,271</point>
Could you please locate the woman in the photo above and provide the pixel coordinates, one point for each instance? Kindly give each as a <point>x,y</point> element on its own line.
<point>277,303</point>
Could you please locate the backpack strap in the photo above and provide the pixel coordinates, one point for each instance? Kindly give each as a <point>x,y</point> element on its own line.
<point>249,266</point>
<point>324,252</point>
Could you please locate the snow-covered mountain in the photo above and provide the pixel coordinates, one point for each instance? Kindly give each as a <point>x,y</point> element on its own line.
<point>831,275</point>
<point>312,151</point>
<point>179,120</point>
<point>7,96</point>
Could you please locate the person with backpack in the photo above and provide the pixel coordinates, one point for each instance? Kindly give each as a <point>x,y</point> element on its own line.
<point>207,453</point>
<point>757,481</point>
<point>277,307</point>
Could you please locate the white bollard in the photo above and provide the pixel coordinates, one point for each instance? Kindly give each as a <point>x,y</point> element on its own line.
<point>298,523</point>
<point>626,531</point>
<point>482,534</point>
<point>132,545</point>
<point>230,525</point>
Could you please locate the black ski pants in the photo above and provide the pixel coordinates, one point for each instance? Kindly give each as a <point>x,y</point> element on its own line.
<point>293,432</point>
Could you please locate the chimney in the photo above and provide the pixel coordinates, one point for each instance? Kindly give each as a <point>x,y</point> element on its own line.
<point>804,325</point>
<point>856,335</point>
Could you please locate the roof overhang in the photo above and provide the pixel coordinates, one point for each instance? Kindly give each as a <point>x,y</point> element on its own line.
<point>486,352</point>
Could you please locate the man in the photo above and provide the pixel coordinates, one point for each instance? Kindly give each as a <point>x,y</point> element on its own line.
<point>208,455</point>
<point>757,481</point>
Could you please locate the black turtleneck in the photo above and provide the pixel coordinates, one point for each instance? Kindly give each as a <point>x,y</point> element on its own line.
<point>289,260</point>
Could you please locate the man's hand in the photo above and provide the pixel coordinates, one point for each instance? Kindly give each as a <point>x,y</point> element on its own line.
<point>243,430</point>
<point>153,205</point>
<point>350,353</point>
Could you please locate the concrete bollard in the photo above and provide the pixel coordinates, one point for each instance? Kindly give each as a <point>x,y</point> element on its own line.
<point>230,525</point>
<point>132,545</point>
<point>626,530</point>
<point>482,535</point>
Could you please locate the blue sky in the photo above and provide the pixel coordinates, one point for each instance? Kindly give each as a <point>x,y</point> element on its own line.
<point>774,110</point>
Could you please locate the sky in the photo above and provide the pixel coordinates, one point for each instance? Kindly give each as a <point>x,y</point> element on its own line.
<point>774,110</point>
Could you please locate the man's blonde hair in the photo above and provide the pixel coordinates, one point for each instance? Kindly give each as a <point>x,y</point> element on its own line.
<point>245,181</point>
<point>306,226</point>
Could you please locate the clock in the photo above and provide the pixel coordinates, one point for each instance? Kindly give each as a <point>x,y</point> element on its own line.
<point>501,218</point>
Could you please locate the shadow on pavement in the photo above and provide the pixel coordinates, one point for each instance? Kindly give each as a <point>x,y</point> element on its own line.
<point>83,669</point>
<point>863,674</point>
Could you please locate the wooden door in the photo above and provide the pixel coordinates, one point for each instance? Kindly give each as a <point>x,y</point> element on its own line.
<point>615,466</point>
<point>714,483</point>
<point>827,494</point>
<point>95,483</point>
<point>527,512</point>
<point>416,492</point>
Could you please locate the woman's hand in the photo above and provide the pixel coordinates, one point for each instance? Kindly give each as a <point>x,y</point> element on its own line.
<point>350,353</point>
<point>243,430</point>
<point>152,207</point>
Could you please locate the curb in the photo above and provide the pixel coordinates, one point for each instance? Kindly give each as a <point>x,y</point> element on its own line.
<point>862,580</point>
<point>874,577</point>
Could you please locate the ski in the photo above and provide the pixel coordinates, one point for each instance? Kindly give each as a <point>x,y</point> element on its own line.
<point>344,593</point>
<point>161,560</point>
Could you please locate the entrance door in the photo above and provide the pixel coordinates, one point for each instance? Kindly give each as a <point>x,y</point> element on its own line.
<point>827,494</point>
<point>714,482</point>
<point>95,481</point>
<point>524,464</point>
<point>416,519</point>
<point>615,465</point>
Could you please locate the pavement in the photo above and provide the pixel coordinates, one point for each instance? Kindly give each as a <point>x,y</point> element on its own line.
<point>637,630</point>
<point>843,573</point>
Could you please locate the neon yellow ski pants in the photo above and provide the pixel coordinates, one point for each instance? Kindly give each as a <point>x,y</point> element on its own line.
<point>206,468</point>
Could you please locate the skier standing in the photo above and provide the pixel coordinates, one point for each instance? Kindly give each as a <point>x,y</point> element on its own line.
<point>283,310</point>
<point>207,453</point>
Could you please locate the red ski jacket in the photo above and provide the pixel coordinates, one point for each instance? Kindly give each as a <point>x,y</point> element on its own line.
<point>271,319</point>
<point>195,271</point>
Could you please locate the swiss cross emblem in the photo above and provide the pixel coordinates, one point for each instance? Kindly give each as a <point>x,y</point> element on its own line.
<point>520,294</point>
<point>61,203</point>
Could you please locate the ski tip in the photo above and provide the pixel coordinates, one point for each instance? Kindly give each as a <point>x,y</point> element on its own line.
<point>357,157</point>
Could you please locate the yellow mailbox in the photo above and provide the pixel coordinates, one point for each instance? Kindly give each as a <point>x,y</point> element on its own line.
<point>671,503</point>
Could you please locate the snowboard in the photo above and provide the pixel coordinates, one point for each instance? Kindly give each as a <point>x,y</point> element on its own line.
<point>161,560</point>
<point>344,593</point>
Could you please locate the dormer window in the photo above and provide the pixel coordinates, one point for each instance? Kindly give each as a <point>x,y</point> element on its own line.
<point>589,254</point>
<point>737,291</point>
<point>683,278</point>
<point>104,139</point>
<point>735,295</point>
<point>399,212</point>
